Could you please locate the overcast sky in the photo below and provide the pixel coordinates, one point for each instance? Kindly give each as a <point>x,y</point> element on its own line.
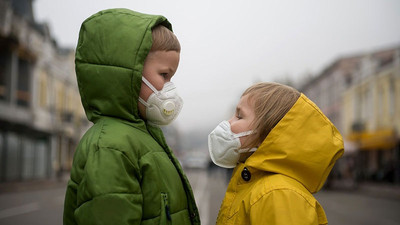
<point>229,44</point>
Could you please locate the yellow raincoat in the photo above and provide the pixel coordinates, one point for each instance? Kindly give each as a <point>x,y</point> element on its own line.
<point>275,184</point>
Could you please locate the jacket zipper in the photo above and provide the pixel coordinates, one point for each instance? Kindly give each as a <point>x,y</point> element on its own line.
<point>166,206</point>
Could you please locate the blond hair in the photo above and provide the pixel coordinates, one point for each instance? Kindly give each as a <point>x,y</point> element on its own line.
<point>271,102</point>
<point>164,40</point>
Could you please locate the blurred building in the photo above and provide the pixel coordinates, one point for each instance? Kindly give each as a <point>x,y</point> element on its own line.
<point>173,138</point>
<point>361,96</point>
<point>41,117</point>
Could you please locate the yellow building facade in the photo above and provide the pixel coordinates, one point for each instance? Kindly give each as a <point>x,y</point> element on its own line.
<point>371,118</point>
<point>360,94</point>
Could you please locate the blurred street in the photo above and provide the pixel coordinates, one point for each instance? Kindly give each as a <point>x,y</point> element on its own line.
<point>40,206</point>
<point>42,203</point>
<point>346,208</point>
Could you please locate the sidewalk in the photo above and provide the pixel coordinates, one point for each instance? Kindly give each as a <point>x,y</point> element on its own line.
<point>373,189</point>
<point>23,186</point>
<point>380,190</point>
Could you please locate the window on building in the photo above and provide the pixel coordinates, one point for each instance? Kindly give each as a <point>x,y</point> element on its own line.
<point>392,97</point>
<point>52,93</point>
<point>386,61</point>
<point>2,153</point>
<point>23,90</point>
<point>348,80</point>
<point>380,104</point>
<point>67,114</point>
<point>357,105</point>
<point>43,90</point>
<point>3,75</point>
<point>60,100</point>
<point>366,105</point>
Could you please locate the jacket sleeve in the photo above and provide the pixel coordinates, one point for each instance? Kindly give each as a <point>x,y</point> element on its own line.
<point>283,207</point>
<point>109,192</point>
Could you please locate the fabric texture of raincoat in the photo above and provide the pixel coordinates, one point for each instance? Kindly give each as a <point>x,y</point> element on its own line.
<point>123,171</point>
<point>275,184</point>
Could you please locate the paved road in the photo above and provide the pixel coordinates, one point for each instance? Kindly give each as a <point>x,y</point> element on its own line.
<point>44,207</point>
<point>209,189</point>
<point>40,207</point>
<point>346,208</point>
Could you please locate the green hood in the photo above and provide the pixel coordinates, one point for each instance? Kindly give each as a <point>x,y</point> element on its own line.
<point>112,47</point>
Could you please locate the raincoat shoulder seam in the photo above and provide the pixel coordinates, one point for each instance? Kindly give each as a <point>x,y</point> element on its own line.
<point>283,189</point>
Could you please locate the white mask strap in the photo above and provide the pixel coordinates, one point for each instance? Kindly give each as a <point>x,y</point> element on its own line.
<point>247,150</point>
<point>149,85</point>
<point>143,102</point>
<point>242,134</point>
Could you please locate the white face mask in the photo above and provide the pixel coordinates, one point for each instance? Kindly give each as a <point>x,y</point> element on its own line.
<point>163,106</point>
<point>224,145</point>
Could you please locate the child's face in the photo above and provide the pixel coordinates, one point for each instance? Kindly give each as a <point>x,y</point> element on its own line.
<point>159,67</point>
<point>243,117</point>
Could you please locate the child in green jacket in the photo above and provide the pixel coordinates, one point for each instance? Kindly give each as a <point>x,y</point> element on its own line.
<point>123,171</point>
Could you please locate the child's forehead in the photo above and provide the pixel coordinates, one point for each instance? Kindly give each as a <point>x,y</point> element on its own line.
<point>247,99</point>
<point>245,103</point>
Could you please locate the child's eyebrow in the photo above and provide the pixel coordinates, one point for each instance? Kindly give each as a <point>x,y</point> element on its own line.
<point>238,110</point>
<point>169,69</point>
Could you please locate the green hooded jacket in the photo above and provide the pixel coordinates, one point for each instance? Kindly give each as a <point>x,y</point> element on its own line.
<point>123,171</point>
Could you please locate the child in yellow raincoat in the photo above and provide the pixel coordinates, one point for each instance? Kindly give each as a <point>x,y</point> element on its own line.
<point>282,148</point>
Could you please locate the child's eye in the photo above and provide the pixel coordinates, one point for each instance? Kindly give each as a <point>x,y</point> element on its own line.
<point>164,75</point>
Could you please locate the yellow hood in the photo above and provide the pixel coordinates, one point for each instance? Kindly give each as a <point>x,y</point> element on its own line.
<point>304,145</point>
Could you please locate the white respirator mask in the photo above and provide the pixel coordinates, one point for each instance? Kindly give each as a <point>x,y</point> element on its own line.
<point>224,145</point>
<point>163,106</point>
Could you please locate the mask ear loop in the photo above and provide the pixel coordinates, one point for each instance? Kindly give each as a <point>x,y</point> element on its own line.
<point>143,102</point>
<point>149,85</point>
<point>242,134</point>
<point>247,150</point>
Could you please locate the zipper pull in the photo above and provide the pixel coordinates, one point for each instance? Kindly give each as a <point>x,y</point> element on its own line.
<point>168,213</point>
